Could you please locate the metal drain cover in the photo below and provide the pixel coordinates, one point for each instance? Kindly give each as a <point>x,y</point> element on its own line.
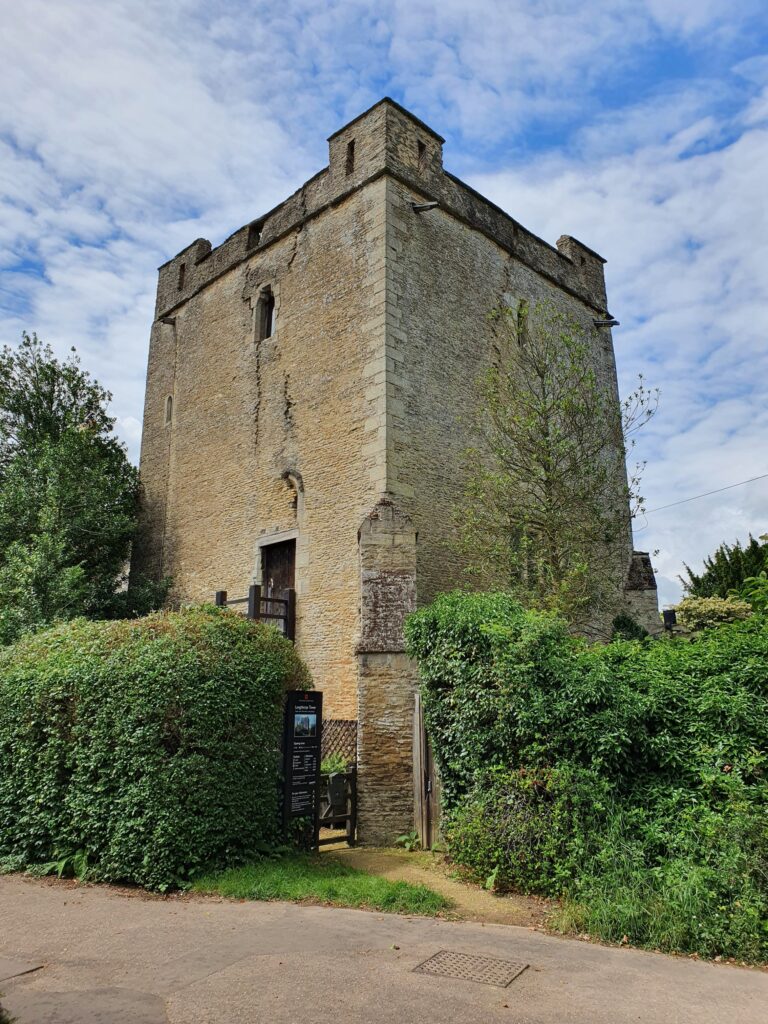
<point>485,969</point>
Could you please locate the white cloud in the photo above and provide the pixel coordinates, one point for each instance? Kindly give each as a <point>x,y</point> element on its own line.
<point>128,129</point>
<point>687,17</point>
<point>116,152</point>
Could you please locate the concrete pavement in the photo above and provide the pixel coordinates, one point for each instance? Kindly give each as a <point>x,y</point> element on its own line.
<point>104,957</point>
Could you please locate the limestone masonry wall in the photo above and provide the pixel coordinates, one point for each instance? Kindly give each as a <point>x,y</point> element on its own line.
<point>248,413</point>
<point>441,341</point>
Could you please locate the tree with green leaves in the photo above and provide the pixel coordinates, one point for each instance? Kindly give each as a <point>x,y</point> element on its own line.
<point>727,568</point>
<point>546,509</point>
<point>754,590</point>
<point>68,496</point>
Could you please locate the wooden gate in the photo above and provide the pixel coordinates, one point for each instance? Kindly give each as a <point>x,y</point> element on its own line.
<point>338,790</point>
<point>426,783</point>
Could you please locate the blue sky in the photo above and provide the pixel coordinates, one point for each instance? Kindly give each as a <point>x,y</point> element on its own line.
<point>128,129</point>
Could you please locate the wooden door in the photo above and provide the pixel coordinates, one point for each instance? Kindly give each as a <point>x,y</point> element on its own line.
<point>278,568</point>
<point>426,783</point>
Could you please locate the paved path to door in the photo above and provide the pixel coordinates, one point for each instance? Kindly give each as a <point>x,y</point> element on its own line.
<point>106,958</point>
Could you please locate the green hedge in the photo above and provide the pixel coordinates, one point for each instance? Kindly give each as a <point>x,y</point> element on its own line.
<point>148,747</point>
<point>527,828</point>
<point>631,778</point>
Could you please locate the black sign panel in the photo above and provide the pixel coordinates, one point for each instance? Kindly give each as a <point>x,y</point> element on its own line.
<point>301,753</point>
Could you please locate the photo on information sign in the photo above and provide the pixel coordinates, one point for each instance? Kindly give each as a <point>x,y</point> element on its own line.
<point>304,725</point>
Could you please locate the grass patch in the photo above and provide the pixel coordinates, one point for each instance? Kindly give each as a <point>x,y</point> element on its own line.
<point>678,906</point>
<point>316,879</point>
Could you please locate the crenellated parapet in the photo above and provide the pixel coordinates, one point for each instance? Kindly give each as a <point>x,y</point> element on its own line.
<point>385,140</point>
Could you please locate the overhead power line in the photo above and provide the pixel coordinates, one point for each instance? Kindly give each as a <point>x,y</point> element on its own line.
<point>706,494</point>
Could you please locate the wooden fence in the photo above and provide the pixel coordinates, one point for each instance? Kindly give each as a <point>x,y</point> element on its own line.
<point>340,737</point>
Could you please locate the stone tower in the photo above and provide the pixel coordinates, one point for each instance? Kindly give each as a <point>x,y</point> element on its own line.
<point>308,388</point>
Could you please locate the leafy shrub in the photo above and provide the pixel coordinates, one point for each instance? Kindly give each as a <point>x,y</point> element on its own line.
<point>703,612</point>
<point>148,747</point>
<point>333,763</point>
<point>606,773</point>
<point>518,829</point>
<point>409,841</point>
<point>754,590</point>
<point>504,687</point>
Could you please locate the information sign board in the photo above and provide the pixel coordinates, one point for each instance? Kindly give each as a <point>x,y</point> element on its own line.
<point>301,754</point>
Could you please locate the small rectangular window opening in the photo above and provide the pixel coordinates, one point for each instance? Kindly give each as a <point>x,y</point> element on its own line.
<point>182,275</point>
<point>350,156</point>
<point>422,153</point>
<point>266,314</point>
<point>168,410</point>
<point>254,233</point>
<point>522,322</point>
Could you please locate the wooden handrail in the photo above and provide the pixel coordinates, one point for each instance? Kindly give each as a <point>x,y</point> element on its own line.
<point>256,599</point>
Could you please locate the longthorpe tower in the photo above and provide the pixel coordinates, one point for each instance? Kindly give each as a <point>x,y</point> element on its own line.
<point>309,388</point>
